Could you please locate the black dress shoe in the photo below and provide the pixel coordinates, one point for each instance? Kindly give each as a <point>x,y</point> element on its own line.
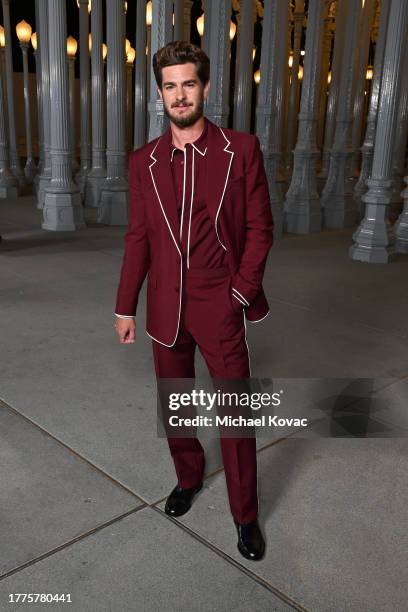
<point>179,501</point>
<point>250,541</point>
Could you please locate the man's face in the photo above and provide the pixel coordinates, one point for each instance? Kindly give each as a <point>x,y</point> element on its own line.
<point>183,94</point>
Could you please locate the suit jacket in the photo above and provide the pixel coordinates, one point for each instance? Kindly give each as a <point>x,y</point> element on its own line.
<point>238,203</point>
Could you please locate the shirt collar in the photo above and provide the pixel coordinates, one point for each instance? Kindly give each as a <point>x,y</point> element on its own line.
<point>200,144</point>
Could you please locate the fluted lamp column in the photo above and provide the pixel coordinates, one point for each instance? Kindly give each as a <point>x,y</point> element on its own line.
<point>139,121</point>
<point>161,34</point>
<point>273,54</point>
<point>188,4</point>
<point>97,175</point>
<point>130,58</point>
<point>24,31</point>
<point>3,61</point>
<point>293,102</point>
<point>374,237</point>
<point>8,182</point>
<point>45,175</point>
<point>334,89</point>
<point>149,18</point>
<point>72,47</point>
<point>15,163</point>
<point>62,206</point>
<point>243,85</point>
<point>400,142</point>
<point>328,33</point>
<point>360,77</point>
<point>37,55</point>
<point>302,206</point>
<point>178,21</point>
<point>401,226</point>
<point>114,196</point>
<point>84,85</point>
<point>3,72</point>
<point>200,25</point>
<point>219,48</point>
<point>367,150</point>
<point>337,195</point>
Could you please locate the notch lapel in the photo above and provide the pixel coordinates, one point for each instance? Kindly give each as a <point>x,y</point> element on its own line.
<point>162,178</point>
<point>219,160</point>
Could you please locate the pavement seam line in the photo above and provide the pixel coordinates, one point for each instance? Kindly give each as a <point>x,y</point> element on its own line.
<point>242,568</point>
<point>78,538</point>
<point>74,452</point>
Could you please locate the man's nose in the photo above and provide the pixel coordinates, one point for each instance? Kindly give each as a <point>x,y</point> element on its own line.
<point>180,95</point>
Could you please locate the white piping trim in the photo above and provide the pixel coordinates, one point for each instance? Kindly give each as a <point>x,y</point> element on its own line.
<point>158,197</point>
<point>225,186</point>
<point>241,296</point>
<point>184,193</point>
<point>178,322</point>
<point>124,316</point>
<point>191,211</point>
<point>197,149</point>
<point>237,298</point>
<point>178,250</point>
<point>172,153</point>
<point>259,320</point>
<point>246,342</point>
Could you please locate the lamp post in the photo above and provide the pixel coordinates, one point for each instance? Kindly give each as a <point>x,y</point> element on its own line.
<point>114,195</point>
<point>37,55</point>
<point>24,31</point>
<point>139,110</point>
<point>8,182</point>
<point>84,84</point>
<point>72,47</point>
<point>3,69</point>
<point>149,18</point>
<point>15,163</point>
<point>130,58</point>
<point>97,175</point>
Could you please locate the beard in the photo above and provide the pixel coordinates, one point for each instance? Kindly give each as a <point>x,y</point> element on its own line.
<point>190,119</point>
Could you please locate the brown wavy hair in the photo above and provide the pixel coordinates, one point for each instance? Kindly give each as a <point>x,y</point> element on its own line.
<point>181,52</point>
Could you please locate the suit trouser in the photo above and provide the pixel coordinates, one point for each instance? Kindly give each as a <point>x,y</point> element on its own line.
<point>211,320</point>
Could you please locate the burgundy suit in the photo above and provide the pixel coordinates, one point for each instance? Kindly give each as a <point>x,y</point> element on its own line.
<point>188,304</point>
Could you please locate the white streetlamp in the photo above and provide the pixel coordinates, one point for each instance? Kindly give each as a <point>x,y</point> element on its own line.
<point>24,31</point>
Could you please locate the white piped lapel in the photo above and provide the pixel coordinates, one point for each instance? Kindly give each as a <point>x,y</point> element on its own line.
<point>162,179</point>
<point>219,161</point>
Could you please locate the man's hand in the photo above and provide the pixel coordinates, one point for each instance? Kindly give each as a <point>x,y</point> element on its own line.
<point>126,330</point>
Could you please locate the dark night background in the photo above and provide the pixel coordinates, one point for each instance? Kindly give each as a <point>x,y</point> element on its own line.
<point>21,9</point>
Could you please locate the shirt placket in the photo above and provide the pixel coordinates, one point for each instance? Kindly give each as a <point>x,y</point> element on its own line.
<point>187,203</point>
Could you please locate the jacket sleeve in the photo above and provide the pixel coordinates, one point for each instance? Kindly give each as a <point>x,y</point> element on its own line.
<point>136,256</point>
<point>247,281</point>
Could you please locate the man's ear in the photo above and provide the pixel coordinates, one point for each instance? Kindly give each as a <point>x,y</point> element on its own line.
<point>160,93</point>
<point>206,90</point>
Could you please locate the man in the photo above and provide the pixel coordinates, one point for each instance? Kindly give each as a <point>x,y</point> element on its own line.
<point>200,225</point>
